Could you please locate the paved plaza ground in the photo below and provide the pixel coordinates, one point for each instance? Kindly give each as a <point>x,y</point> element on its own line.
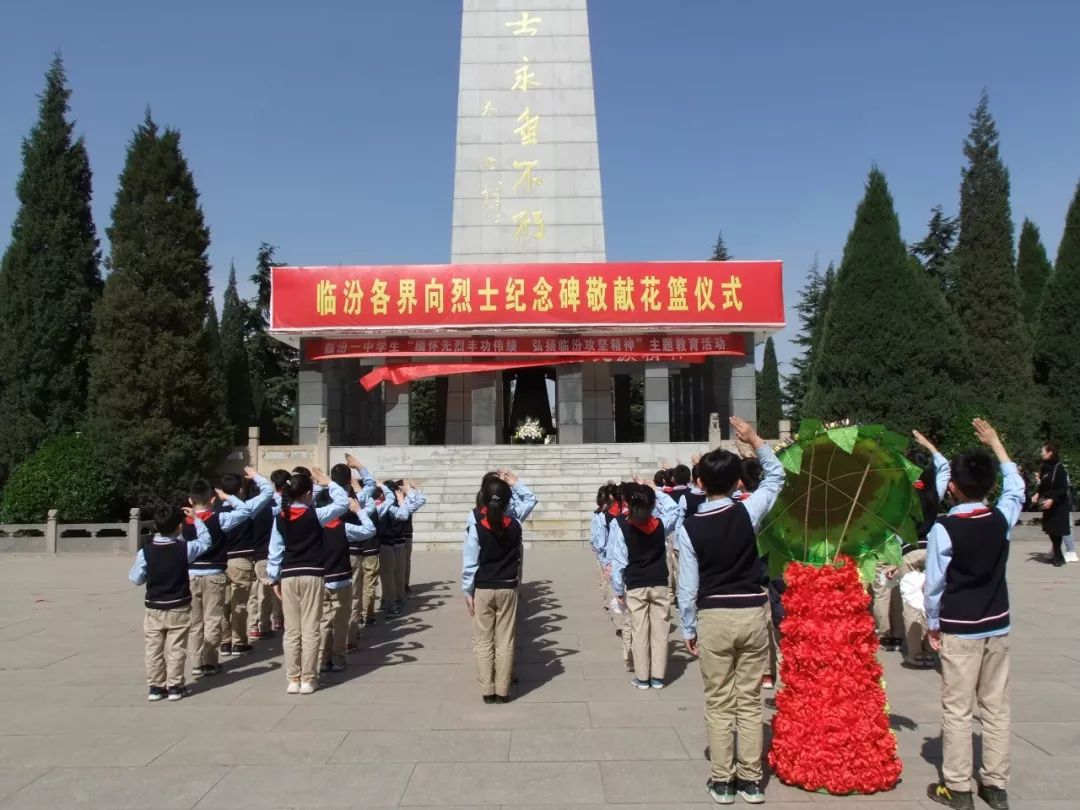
<point>405,725</point>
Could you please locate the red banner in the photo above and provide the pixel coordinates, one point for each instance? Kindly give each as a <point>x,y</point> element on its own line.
<point>656,347</point>
<point>527,296</point>
<point>400,374</point>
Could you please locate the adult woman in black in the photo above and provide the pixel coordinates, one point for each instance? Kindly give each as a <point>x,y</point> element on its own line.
<point>1054,498</point>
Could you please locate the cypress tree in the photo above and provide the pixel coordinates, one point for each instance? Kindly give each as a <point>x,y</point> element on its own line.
<point>984,290</point>
<point>889,350</point>
<point>213,341</point>
<point>811,309</point>
<point>1057,356</point>
<point>720,251</point>
<point>1033,269</point>
<point>935,248</point>
<point>769,407</point>
<point>234,320</point>
<point>49,280</point>
<point>274,365</point>
<point>156,405</point>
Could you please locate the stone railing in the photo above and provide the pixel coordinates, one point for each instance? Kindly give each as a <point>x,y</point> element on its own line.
<point>53,537</point>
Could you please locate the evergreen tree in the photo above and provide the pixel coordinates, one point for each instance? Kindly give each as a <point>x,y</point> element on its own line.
<point>49,280</point>
<point>274,365</point>
<point>1033,270</point>
<point>213,341</point>
<point>769,409</point>
<point>811,309</point>
<point>156,405</point>
<point>935,248</point>
<point>235,315</point>
<point>720,251</point>
<point>889,351</point>
<point>1057,357</point>
<point>984,290</point>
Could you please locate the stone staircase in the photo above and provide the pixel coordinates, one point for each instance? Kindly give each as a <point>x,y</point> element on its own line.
<point>564,478</point>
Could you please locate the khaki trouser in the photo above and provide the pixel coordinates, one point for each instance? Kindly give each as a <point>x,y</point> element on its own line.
<point>620,620</point>
<point>302,602</point>
<point>733,650</point>
<point>356,565</point>
<point>386,576</point>
<point>495,631</point>
<point>166,635</point>
<point>370,566</point>
<point>241,575</point>
<point>207,614</point>
<point>334,635</point>
<point>774,642</point>
<point>887,618</point>
<point>650,630</point>
<point>673,574</point>
<point>263,602</point>
<point>914,620</point>
<point>974,670</point>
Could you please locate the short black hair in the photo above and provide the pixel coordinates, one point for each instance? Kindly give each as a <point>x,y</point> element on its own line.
<point>682,475</point>
<point>642,501</point>
<point>341,474</point>
<point>232,484</point>
<point>201,491</point>
<point>298,470</point>
<point>167,519</point>
<point>974,473</point>
<point>279,478</point>
<point>750,473</point>
<point>719,471</point>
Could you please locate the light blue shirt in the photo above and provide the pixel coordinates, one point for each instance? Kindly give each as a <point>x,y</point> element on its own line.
<point>357,532</point>
<point>757,504</point>
<point>238,512</point>
<point>195,547</point>
<point>598,534</point>
<point>939,548</point>
<point>670,515</point>
<point>338,506</point>
<point>942,474</point>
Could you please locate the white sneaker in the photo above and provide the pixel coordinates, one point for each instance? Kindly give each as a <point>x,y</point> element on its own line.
<point>293,688</point>
<point>308,688</point>
<point>1070,556</point>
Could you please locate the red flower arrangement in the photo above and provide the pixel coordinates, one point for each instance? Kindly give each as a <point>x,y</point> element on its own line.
<point>831,730</point>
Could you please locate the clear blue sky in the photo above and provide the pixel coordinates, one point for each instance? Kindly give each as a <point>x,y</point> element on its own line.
<point>327,128</point>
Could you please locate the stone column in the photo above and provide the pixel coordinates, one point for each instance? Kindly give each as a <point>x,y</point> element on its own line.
<point>396,404</point>
<point>743,391</point>
<point>458,410</point>
<point>657,404</point>
<point>482,388</point>
<point>311,401</point>
<point>569,392</point>
<point>598,420</point>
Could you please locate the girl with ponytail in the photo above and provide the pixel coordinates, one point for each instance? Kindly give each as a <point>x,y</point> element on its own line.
<point>491,573</point>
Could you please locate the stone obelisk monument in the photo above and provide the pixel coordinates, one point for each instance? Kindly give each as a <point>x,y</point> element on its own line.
<point>527,182</point>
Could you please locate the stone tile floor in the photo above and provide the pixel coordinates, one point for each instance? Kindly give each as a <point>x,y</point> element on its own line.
<point>405,725</point>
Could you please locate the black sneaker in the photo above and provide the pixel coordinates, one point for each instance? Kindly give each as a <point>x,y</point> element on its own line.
<point>208,669</point>
<point>156,693</point>
<point>750,792</point>
<point>226,649</point>
<point>489,699</point>
<point>960,799</point>
<point>891,643</point>
<point>996,797</point>
<point>503,698</point>
<point>176,693</point>
<point>240,649</point>
<point>721,792</point>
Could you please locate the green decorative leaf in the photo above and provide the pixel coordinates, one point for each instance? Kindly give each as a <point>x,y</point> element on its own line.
<point>808,428</point>
<point>871,431</point>
<point>913,470</point>
<point>894,442</point>
<point>892,552</point>
<point>791,458</point>
<point>867,569</point>
<point>844,437</point>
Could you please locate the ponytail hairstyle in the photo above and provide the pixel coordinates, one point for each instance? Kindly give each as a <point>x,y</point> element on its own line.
<point>642,501</point>
<point>613,497</point>
<point>603,498</point>
<point>296,489</point>
<point>495,495</point>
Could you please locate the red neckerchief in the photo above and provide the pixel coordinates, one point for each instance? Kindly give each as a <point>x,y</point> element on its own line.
<point>919,484</point>
<point>648,527</point>
<point>296,512</point>
<point>974,513</point>
<point>742,496</point>
<point>203,516</point>
<point>484,520</point>
<point>615,510</point>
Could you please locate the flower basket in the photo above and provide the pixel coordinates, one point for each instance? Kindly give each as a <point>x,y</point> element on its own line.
<point>528,431</point>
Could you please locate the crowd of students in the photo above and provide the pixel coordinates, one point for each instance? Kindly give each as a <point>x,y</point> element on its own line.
<point>690,538</point>
<point>313,547</point>
<point>300,553</point>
